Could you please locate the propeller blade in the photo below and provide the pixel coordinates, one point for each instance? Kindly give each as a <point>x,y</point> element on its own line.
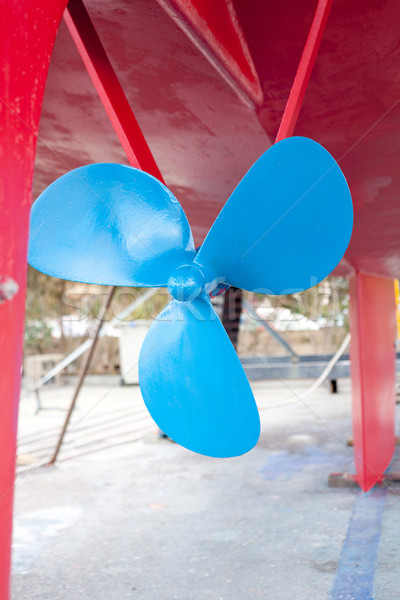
<point>193,384</point>
<point>287,224</point>
<point>109,224</point>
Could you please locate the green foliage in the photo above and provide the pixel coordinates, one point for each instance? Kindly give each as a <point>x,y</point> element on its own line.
<point>44,295</point>
<point>37,337</point>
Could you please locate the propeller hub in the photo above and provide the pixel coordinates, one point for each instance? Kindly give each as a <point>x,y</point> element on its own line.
<point>186,283</point>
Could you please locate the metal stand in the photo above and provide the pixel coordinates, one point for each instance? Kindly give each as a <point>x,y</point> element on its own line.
<point>231,313</point>
<point>350,441</point>
<point>38,402</point>
<point>333,384</point>
<point>346,480</point>
<point>83,373</point>
<point>252,312</point>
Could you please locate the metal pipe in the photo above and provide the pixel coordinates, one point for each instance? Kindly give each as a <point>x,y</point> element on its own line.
<point>270,329</point>
<point>84,370</point>
<point>86,344</point>
<point>92,344</point>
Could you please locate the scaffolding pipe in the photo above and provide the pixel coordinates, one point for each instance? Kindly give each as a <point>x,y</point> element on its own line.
<point>270,329</point>
<point>86,345</point>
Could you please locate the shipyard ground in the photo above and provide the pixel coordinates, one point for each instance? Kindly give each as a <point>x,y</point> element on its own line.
<point>125,514</point>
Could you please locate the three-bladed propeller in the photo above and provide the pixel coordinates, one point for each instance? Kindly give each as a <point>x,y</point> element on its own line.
<point>284,228</point>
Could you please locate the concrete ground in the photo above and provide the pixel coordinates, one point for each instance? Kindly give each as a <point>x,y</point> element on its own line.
<point>124,514</point>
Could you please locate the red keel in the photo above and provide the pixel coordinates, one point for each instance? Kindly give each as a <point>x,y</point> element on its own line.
<point>373,334</point>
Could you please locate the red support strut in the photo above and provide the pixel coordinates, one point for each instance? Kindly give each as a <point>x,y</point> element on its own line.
<point>373,335</point>
<point>304,70</point>
<point>28,30</point>
<point>109,88</point>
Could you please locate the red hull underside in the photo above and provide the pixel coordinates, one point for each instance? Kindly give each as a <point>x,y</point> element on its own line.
<point>202,134</point>
<point>209,88</point>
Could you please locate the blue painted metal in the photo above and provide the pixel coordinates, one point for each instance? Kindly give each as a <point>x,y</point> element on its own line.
<point>109,224</point>
<point>286,225</point>
<point>186,283</point>
<point>193,383</point>
<point>284,228</point>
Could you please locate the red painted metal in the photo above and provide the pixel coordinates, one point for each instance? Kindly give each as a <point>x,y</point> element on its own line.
<point>204,138</point>
<point>197,20</point>
<point>27,35</point>
<point>352,107</point>
<point>109,88</point>
<point>304,70</point>
<point>373,334</point>
<point>214,28</point>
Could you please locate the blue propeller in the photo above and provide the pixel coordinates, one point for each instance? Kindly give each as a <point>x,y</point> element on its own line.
<point>284,228</point>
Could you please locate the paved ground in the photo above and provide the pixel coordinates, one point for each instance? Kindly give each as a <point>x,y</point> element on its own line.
<point>126,515</point>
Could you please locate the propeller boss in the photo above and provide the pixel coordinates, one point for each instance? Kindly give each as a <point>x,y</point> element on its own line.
<point>186,283</point>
